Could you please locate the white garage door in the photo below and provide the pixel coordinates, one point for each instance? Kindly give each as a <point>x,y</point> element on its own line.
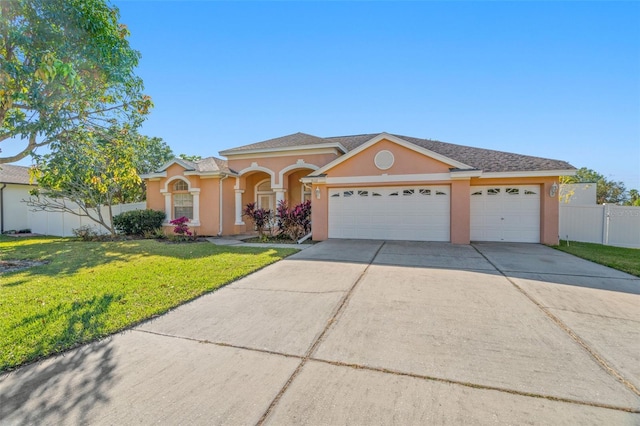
<point>417,213</point>
<point>505,213</point>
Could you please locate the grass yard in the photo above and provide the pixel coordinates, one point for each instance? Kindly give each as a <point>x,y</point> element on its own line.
<point>89,290</point>
<point>623,259</point>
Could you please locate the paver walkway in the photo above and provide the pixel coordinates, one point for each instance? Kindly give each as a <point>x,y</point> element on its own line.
<point>366,332</point>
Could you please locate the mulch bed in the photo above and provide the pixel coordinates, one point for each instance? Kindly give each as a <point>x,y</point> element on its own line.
<point>17,265</point>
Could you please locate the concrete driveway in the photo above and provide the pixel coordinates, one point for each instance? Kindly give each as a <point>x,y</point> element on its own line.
<point>366,332</point>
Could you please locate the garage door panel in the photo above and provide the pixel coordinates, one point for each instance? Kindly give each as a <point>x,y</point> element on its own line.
<point>395,213</point>
<point>505,213</point>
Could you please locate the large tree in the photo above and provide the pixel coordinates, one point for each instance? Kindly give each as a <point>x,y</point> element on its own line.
<point>64,64</point>
<point>607,191</point>
<point>634,198</point>
<point>95,169</point>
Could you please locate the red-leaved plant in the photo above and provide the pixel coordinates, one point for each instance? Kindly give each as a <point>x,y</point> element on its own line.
<point>294,222</point>
<point>261,218</point>
<point>181,227</point>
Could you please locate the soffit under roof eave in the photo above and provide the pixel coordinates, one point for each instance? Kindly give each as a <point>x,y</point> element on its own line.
<point>153,175</point>
<point>314,179</point>
<point>210,174</point>
<point>529,173</point>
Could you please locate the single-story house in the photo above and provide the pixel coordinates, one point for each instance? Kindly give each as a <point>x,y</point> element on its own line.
<point>14,187</point>
<point>374,186</point>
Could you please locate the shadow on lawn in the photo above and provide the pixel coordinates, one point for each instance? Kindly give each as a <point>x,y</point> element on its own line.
<point>82,321</point>
<point>24,402</point>
<point>65,257</point>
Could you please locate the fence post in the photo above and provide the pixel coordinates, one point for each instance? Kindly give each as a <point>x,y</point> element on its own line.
<point>607,220</point>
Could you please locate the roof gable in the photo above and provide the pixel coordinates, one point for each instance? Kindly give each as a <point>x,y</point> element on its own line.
<point>294,141</point>
<point>206,166</point>
<point>395,140</point>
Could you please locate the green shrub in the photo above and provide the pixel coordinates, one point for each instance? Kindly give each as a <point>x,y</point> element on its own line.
<point>87,233</point>
<point>156,234</point>
<point>138,222</point>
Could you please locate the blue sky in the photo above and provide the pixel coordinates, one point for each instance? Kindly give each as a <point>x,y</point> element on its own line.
<point>552,79</point>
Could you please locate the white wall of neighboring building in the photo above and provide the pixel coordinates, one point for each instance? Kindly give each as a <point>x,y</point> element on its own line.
<point>578,194</point>
<point>63,224</point>
<point>14,211</point>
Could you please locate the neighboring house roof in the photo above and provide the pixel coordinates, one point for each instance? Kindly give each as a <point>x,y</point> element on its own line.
<point>209,165</point>
<point>14,174</point>
<point>486,160</point>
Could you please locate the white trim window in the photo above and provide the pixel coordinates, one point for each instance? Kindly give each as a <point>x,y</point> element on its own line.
<point>183,206</point>
<point>182,200</point>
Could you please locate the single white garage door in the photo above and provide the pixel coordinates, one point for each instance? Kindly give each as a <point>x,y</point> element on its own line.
<point>417,213</point>
<point>505,213</point>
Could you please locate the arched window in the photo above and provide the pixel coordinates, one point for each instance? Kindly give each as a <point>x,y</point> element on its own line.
<point>182,200</point>
<point>180,185</point>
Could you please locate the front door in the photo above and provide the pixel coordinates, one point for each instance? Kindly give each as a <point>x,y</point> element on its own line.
<point>267,201</point>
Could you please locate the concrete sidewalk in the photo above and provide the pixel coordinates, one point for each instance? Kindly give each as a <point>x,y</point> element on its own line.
<point>366,332</point>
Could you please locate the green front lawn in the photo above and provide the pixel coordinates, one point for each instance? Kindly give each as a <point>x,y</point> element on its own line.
<point>89,290</point>
<point>623,259</point>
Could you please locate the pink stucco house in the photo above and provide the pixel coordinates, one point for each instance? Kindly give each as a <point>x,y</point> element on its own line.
<point>373,186</point>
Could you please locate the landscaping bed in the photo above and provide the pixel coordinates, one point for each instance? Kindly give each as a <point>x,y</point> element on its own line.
<point>73,292</point>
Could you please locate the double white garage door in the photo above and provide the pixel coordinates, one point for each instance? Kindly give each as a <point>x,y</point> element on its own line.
<point>419,213</point>
<point>423,213</point>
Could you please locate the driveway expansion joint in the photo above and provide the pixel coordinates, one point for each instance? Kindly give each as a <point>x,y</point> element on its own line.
<point>592,352</point>
<point>593,315</point>
<point>221,344</point>
<point>341,306</point>
<point>287,291</point>
<point>511,271</point>
<point>475,385</point>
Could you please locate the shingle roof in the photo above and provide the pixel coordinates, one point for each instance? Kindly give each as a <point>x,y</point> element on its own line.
<point>296,139</point>
<point>486,160</point>
<point>14,174</point>
<point>489,160</point>
<point>209,164</point>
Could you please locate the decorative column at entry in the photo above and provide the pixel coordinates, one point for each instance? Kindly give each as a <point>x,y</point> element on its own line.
<point>239,193</point>
<point>279,196</point>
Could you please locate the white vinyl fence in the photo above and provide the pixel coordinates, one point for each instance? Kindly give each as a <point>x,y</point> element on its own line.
<point>603,224</point>
<point>63,224</point>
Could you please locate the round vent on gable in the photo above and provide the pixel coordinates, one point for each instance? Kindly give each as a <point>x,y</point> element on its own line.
<point>384,160</point>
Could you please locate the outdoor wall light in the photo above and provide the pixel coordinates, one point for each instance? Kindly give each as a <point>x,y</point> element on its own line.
<point>553,190</point>
<point>317,193</point>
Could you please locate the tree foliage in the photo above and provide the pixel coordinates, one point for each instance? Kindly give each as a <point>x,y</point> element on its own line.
<point>89,171</point>
<point>634,198</point>
<point>607,191</point>
<point>64,64</point>
<point>190,157</point>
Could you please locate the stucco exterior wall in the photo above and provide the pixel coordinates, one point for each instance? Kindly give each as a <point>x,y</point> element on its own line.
<point>406,161</point>
<point>209,206</point>
<point>228,206</point>
<point>294,187</point>
<point>460,212</point>
<point>155,200</point>
<point>319,213</point>
<point>277,164</point>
